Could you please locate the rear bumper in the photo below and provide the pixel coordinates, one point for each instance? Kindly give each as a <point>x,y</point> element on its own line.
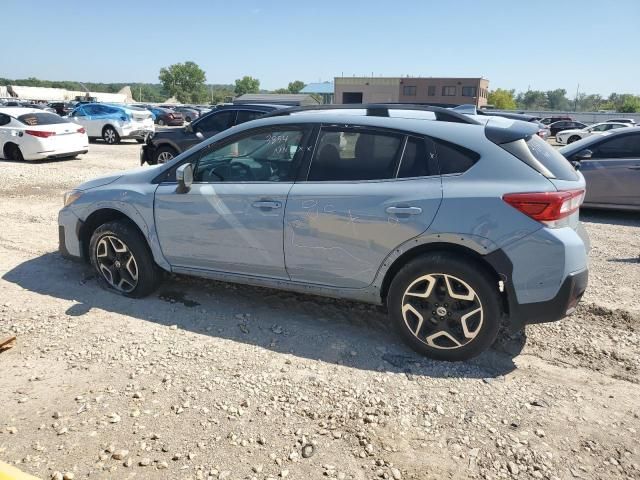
<point>66,154</point>
<point>563,304</point>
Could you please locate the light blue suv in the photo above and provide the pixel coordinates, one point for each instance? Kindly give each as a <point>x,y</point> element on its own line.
<point>458,224</point>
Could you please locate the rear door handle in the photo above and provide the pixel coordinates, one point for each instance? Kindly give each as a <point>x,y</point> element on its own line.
<point>267,204</point>
<point>404,210</point>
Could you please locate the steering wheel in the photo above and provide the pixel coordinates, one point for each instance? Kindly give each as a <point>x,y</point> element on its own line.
<point>233,171</point>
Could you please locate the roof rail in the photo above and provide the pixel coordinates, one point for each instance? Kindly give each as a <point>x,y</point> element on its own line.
<point>381,110</point>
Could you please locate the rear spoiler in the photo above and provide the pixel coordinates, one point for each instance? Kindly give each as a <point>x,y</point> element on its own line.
<point>503,130</point>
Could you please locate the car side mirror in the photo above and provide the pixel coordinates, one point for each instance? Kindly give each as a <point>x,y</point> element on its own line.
<point>582,155</point>
<point>184,177</point>
<point>188,128</point>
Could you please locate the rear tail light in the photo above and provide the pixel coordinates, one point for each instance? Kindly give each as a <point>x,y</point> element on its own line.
<point>546,207</point>
<point>82,130</point>
<point>40,134</point>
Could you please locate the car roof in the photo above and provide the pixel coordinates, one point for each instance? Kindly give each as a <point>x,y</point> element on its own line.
<point>17,111</point>
<point>248,106</point>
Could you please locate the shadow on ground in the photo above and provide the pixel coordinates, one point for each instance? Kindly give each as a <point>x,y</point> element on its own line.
<point>329,330</point>
<point>609,217</point>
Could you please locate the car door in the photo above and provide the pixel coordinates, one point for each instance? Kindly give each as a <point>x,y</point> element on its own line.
<point>613,172</point>
<point>231,219</point>
<point>6,132</point>
<point>81,117</point>
<point>351,210</point>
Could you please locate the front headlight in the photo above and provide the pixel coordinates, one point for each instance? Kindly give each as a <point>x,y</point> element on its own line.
<point>71,196</point>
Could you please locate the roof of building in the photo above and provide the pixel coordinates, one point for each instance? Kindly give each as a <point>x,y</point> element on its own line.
<point>275,98</point>
<point>323,87</point>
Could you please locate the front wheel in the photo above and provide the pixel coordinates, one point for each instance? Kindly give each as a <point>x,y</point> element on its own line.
<point>573,138</point>
<point>164,155</point>
<point>122,259</point>
<point>444,307</point>
<point>110,136</point>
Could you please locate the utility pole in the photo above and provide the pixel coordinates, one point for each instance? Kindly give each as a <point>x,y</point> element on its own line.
<point>575,101</point>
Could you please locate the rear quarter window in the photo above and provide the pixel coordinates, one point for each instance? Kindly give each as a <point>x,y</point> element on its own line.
<point>453,158</point>
<point>552,160</point>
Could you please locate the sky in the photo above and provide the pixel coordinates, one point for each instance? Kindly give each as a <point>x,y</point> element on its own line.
<point>541,45</point>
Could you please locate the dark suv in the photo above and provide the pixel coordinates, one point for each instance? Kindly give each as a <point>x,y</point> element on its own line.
<point>166,144</point>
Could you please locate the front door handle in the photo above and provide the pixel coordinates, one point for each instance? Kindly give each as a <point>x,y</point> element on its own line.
<point>404,210</point>
<point>267,204</point>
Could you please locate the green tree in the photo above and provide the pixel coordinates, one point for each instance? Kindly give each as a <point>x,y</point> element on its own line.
<point>557,99</point>
<point>502,99</point>
<point>532,100</point>
<point>185,81</point>
<point>295,86</point>
<point>588,103</point>
<point>247,84</point>
<point>281,90</point>
<point>631,104</point>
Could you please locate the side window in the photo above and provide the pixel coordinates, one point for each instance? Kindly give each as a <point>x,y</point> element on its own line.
<point>259,156</point>
<point>352,155</point>
<point>418,159</point>
<point>4,119</point>
<point>626,146</point>
<point>89,110</point>
<point>247,116</point>
<point>453,158</point>
<point>216,122</point>
<point>600,128</point>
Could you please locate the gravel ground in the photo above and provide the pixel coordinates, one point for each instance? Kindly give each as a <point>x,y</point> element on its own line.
<point>210,380</point>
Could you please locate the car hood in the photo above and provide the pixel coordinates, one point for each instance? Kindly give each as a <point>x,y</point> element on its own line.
<point>98,182</point>
<point>169,133</point>
<point>136,175</point>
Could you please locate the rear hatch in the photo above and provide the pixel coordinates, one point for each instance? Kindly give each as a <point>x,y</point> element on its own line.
<point>140,115</point>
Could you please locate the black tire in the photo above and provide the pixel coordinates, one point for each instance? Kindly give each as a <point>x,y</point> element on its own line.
<point>110,135</point>
<point>161,123</point>
<point>188,119</point>
<point>446,272</point>
<point>148,274</point>
<point>13,152</point>
<point>162,154</point>
<point>572,139</point>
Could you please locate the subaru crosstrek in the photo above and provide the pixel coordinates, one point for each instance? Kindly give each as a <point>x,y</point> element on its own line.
<point>458,224</point>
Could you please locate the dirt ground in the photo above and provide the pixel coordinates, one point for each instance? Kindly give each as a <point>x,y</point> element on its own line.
<point>211,380</point>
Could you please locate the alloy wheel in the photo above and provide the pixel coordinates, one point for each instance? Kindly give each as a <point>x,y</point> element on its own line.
<point>442,311</point>
<point>110,136</point>
<point>164,157</point>
<point>117,264</point>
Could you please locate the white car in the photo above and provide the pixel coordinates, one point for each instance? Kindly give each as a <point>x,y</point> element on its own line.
<point>33,134</point>
<point>113,122</point>
<point>565,137</point>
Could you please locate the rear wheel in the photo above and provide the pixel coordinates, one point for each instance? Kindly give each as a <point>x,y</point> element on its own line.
<point>573,138</point>
<point>13,152</point>
<point>164,154</point>
<point>122,259</point>
<point>110,136</point>
<point>445,307</point>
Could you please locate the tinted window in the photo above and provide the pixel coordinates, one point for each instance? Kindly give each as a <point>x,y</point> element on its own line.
<point>246,116</point>
<point>418,159</point>
<point>454,158</point>
<point>354,155</point>
<point>600,128</point>
<point>551,159</point>
<point>41,119</point>
<point>4,119</point>
<point>264,156</point>
<point>626,146</point>
<point>216,122</point>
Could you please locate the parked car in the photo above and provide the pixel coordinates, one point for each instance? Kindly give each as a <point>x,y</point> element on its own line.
<point>165,116</point>
<point>189,114</point>
<point>425,216</point>
<point>566,137</point>
<point>543,130</point>
<point>557,118</point>
<point>561,125</point>
<point>166,144</point>
<point>622,120</point>
<point>33,134</point>
<point>62,108</point>
<point>610,164</point>
<point>113,123</point>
